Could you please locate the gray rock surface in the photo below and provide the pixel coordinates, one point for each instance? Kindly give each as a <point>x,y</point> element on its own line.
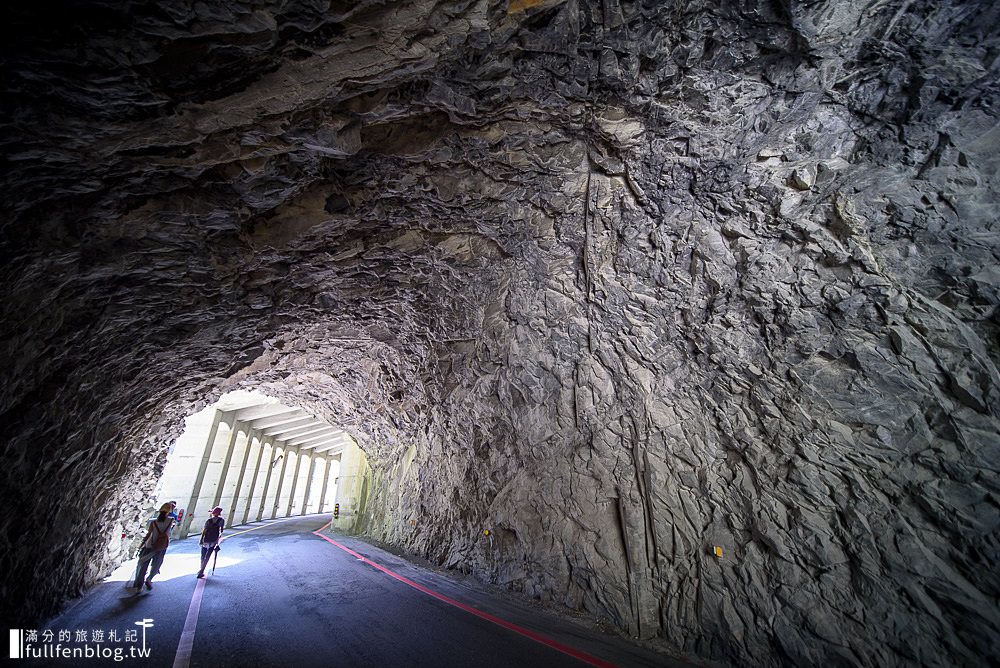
<point>620,282</point>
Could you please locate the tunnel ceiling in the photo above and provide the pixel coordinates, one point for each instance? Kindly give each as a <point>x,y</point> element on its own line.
<point>623,282</point>
<point>291,426</point>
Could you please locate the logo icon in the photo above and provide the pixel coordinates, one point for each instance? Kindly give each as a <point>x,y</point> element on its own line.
<point>145,624</point>
<point>17,643</point>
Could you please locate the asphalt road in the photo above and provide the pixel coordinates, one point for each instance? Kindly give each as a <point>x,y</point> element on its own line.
<point>283,596</point>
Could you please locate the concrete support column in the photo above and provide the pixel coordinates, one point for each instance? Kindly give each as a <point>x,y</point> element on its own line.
<point>350,485</point>
<point>309,482</point>
<point>192,505</point>
<point>326,481</point>
<point>281,480</point>
<point>229,458</point>
<point>252,438</point>
<point>270,464</point>
<point>253,481</point>
<point>295,482</point>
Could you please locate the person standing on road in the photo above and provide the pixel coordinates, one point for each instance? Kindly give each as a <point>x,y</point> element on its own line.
<point>211,536</point>
<point>154,548</point>
<point>172,516</point>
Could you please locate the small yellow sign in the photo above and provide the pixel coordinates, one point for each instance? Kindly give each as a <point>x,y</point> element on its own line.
<point>718,551</point>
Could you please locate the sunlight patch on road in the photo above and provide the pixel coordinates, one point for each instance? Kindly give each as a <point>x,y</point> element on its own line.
<point>174,566</point>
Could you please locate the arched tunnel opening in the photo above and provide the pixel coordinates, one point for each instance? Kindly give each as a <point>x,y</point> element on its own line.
<point>681,316</point>
<point>258,459</point>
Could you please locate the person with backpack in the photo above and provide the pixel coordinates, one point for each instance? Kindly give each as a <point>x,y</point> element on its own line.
<point>211,536</point>
<point>153,548</point>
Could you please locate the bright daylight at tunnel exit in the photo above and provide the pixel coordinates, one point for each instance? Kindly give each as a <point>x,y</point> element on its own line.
<point>262,458</point>
<point>500,333</point>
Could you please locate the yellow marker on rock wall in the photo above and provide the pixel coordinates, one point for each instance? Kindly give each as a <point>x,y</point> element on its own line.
<point>717,551</point>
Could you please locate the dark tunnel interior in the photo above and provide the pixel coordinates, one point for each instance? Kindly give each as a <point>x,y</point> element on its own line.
<point>692,305</point>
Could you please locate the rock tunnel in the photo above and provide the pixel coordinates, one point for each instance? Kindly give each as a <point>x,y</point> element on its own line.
<point>693,305</point>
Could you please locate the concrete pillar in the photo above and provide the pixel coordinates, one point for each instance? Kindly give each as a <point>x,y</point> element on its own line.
<point>350,484</point>
<point>295,482</point>
<point>270,469</point>
<point>252,437</point>
<point>200,478</point>
<point>229,458</point>
<point>253,481</point>
<point>309,482</point>
<point>281,480</point>
<point>326,481</point>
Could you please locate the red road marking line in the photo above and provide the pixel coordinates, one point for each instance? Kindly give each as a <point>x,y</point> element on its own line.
<point>537,637</point>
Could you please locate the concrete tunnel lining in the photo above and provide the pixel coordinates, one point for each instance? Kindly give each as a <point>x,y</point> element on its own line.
<point>622,282</point>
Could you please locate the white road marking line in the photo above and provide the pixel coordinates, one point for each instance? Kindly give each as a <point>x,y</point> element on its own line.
<point>183,657</point>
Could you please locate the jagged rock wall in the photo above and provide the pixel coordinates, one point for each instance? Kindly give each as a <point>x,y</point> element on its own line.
<point>619,282</point>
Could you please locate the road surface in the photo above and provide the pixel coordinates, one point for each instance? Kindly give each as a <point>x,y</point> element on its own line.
<point>283,595</point>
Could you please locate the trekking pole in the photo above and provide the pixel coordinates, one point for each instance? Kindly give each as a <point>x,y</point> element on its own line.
<point>216,559</point>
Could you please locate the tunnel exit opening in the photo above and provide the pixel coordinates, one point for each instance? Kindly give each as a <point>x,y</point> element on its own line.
<point>258,459</point>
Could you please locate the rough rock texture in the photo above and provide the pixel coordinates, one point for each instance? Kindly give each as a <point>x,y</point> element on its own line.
<point>619,281</point>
